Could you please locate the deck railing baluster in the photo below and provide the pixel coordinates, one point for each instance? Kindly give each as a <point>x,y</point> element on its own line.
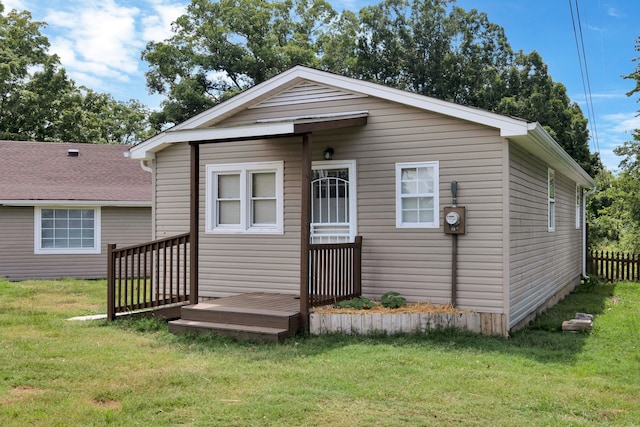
<point>148,275</point>
<point>334,272</point>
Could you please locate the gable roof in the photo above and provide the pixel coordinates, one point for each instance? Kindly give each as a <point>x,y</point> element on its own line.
<point>320,86</point>
<point>33,173</point>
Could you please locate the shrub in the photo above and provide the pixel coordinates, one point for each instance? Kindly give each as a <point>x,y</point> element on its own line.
<point>393,300</point>
<point>359,303</point>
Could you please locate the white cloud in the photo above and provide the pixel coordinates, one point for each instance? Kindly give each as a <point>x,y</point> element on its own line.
<point>13,4</point>
<point>624,123</point>
<point>597,97</point>
<point>99,41</point>
<point>613,131</point>
<point>156,22</point>
<point>96,37</point>
<point>612,11</point>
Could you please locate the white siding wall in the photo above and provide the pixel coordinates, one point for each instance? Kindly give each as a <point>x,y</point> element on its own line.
<point>122,226</point>
<point>414,262</point>
<point>171,191</point>
<point>236,263</point>
<point>542,262</point>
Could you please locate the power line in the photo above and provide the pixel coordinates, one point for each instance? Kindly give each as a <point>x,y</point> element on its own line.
<point>584,74</point>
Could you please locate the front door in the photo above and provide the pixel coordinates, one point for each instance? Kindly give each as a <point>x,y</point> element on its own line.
<point>333,201</point>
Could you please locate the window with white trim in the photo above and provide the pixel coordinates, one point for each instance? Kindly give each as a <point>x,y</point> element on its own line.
<point>551,197</point>
<point>417,187</point>
<point>245,198</point>
<point>578,203</point>
<point>67,230</point>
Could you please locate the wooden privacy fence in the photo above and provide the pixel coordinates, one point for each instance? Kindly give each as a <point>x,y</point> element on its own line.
<point>614,266</point>
<point>149,275</point>
<point>335,272</point>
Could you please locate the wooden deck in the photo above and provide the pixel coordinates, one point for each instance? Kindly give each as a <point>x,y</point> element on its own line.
<point>254,316</point>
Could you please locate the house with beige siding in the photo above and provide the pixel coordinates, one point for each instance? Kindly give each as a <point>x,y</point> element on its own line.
<point>61,203</point>
<point>447,203</point>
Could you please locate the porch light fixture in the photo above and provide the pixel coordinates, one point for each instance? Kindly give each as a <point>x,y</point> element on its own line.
<point>328,154</point>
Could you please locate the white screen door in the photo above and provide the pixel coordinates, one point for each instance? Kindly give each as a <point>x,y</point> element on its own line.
<point>333,202</point>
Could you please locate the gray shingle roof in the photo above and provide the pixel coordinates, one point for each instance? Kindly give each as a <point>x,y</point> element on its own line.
<point>45,171</point>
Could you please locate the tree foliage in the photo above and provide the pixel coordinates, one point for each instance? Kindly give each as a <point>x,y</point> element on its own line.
<point>615,210</point>
<point>431,47</point>
<point>630,150</point>
<point>39,102</point>
<point>220,48</point>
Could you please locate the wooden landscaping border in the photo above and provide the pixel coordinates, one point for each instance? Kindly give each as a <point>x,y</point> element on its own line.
<point>395,323</point>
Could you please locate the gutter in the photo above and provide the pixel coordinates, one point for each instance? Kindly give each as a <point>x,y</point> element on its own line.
<point>76,203</point>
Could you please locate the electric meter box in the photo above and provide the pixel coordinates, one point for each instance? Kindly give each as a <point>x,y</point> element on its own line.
<point>454,220</point>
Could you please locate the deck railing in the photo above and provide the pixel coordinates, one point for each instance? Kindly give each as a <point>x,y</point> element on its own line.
<point>149,275</point>
<point>613,266</point>
<point>335,272</point>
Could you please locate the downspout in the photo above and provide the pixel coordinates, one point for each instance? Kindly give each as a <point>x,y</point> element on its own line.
<point>584,231</point>
<point>145,165</point>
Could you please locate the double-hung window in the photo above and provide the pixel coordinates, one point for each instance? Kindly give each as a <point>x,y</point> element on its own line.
<point>67,230</point>
<point>245,198</point>
<point>578,203</point>
<point>551,197</point>
<point>417,195</point>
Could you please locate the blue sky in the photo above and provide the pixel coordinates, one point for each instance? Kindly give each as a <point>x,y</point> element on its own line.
<point>99,43</point>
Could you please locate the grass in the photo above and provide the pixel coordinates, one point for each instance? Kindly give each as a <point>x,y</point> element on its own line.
<point>54,372</point>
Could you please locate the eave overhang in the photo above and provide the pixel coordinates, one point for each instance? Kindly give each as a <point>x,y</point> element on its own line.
<point>537,141</point>
<point>261,129</point>
<point>102,203</point>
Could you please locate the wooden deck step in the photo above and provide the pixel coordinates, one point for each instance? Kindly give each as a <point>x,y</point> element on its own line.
<point>247,332</point>
<point>256,316</point>
<point>241,316</point>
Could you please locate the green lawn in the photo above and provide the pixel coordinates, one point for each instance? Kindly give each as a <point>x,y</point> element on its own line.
<point>54,372</point>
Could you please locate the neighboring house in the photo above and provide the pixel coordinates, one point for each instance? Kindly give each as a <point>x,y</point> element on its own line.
<point>62,203</point>
<point>309,155</point>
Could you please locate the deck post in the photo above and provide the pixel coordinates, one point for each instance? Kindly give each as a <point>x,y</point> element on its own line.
<point>194,205</point>
<point>305,229</point>
<point>357,267</point>
<point>111,283</point>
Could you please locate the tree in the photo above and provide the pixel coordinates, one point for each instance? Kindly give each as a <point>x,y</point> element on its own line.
<point>528,91</point>
<point>221,48</point>
<point>431,47</point>
<point>39,102</point>
<point>614,212</point>
<point>630,150</point>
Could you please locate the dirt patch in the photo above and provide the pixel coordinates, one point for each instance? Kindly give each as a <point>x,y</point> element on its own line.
<point>105,403</point>
<point>412,308</point>
<point>23,390</point>
<point>20,394</point>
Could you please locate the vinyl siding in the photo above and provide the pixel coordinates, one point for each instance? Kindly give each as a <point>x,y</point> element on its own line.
<point>171,191</point>
<point>542,262</point>
<point>414,262</point>
<point>122,226</point>
<point>235,263</point>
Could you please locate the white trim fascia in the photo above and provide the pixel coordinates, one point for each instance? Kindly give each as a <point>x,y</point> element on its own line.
<point>508,126</point>
<point>314,118</point>
<point>248,131</point>
<point>557,157</point>
<point>194,135</point>
<point>75,203</point>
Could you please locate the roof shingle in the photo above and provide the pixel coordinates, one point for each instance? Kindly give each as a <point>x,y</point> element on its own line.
<point>45,171</point>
